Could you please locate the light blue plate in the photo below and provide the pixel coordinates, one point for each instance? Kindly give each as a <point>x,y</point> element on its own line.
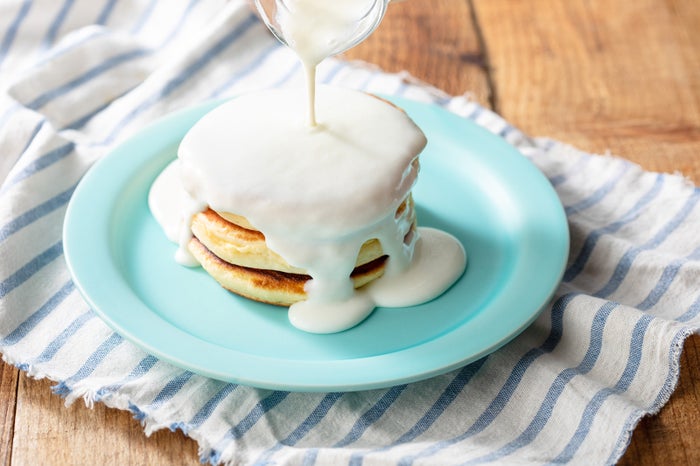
<point>472,184</point>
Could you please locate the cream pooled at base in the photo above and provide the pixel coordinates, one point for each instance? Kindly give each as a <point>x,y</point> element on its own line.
<point>318,195</point>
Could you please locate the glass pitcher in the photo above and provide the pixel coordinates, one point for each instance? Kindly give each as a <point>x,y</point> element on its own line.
<point>341,24</point>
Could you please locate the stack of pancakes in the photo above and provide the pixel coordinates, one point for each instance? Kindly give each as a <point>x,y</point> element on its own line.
<point>235,254</point>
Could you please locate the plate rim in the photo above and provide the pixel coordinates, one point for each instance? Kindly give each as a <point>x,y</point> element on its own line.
<point>160,133</point>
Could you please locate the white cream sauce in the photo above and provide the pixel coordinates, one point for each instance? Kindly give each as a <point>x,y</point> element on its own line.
<point>317,194</point>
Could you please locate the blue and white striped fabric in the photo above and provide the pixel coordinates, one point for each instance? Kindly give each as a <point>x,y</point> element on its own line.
<point>79,76</point>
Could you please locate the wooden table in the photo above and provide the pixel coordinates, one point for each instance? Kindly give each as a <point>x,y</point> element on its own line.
<point>604,75</point>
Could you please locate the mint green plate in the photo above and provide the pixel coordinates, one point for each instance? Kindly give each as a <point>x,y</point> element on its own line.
<point>472,184</point>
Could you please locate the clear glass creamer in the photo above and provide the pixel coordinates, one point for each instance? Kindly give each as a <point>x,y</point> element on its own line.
<point>317,29</point>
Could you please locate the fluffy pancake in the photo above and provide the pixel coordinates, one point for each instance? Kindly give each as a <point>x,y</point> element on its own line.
<point>236,256</point>
<point>231,238</point>
<point>270,286</point>
<point>246,247</point>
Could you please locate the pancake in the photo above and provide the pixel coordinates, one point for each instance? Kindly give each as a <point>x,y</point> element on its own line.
<point>270,286</point>
<point>236,256</point>
<point>231,238</point>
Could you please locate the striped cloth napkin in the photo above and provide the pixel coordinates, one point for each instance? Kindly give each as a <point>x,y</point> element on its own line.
<point>78,76</point>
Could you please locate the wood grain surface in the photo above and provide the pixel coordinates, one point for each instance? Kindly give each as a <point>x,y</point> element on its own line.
<point>607,76</point>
